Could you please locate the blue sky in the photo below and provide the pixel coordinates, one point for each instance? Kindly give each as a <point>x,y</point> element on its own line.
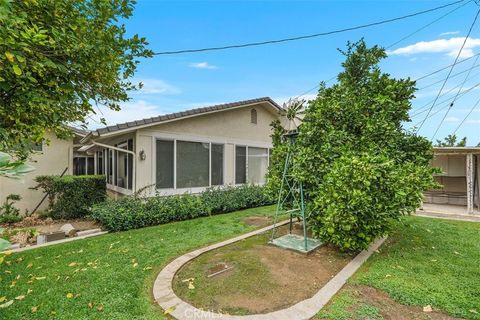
<point>183,81</point>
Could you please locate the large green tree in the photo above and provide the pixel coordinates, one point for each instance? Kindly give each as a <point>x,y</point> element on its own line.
<point>360,168</point>
<point>60,61</point>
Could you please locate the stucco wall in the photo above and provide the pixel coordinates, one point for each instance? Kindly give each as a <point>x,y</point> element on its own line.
<point>52,160</point>
<point>229,127</point>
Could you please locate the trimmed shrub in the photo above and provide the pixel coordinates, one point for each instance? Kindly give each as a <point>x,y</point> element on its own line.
<point>8,212</point>
<point>133,212</point>
<point>72,197</point>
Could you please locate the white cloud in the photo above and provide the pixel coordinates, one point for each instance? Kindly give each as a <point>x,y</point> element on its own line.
<point>452,120</point>
<point>130,111</point>
<point>156,86</point>
<point>472,121</point>
<point>202,65</point>
<point>449,46</point>
<point>449,33</point>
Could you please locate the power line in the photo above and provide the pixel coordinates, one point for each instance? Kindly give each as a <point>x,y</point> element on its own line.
<point>397,42</point>
<point>451,69</point>
<point>440,70</point>
<point>441,109</point>
<point>451,77</point>
<point>427,25</point>
<point>267,42</point>
<point>468,115</point>
<point>454,98</point>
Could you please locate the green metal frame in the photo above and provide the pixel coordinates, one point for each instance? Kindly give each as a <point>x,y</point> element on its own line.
<point>293,188</point>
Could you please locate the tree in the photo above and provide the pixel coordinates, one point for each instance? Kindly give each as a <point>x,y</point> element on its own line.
<point>360,169</point>
<point>451,141</point>
<point>59,59</point>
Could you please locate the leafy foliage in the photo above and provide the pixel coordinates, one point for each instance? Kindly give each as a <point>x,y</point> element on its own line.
<point>8,212</point>
<point>451,141</point>
<point>56,58</point>
<point>13,169</point>
<point>72,197</point>
<point>134,212</point>
<point>359,167</point>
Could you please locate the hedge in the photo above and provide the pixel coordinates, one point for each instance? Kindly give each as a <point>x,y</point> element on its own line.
<point>132,212</point>
<point>72,197</point>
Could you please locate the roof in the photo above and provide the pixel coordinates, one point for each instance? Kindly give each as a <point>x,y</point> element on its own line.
<point>456,150</point>
<point>78,131</point>
<point>179,115</point>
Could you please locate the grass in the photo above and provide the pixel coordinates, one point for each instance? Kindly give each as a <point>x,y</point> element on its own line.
<point>248,270</point>
<point>110,276</point>
<point>427,262</point>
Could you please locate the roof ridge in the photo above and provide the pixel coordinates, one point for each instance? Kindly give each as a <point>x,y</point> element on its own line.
<point>182,113</point>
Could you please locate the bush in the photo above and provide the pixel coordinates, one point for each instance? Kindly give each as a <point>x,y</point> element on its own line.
<point>132,212</point>
<point>8,213</point>
<point>72,197</point>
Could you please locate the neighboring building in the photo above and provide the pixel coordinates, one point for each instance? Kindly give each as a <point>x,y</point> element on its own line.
<point>460,177</point>
<point>189,151</point>
<point>52,159</point>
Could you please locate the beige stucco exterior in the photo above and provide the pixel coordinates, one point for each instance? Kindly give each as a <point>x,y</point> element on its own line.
<point>52,160</point>
<point>229,127</point>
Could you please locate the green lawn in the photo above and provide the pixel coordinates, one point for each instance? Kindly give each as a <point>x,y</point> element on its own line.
<point>110,276</point>
<point>427,262</point>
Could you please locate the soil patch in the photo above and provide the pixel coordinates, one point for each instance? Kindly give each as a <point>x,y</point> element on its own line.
<point>388,308</point>
<point>264,278</point>
<point>257,220</point>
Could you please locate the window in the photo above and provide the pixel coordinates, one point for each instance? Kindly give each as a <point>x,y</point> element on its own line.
<point>257,165</point>
<point>164,164</point>
<point>240,164</point>
<point>253,116</point>
<point>217,164</point>
<point>188,164</point>
<point>83,165</point>
<point>192,164</point>
<point>251,164</point>
<point>100,162</point>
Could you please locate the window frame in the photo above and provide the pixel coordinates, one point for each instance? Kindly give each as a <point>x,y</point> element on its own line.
<point>175,139</point>
<point>246,161</point>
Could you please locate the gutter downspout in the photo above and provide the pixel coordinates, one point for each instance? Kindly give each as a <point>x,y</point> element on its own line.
<point>134,182</point>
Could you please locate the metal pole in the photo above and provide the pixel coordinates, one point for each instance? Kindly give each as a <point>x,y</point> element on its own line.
<point>279,201</point>
<point>302,206</point>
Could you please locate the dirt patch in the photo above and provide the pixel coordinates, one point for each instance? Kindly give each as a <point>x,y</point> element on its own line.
<point>257,220</point>
<point>265,278</point>
<point>389,308</point>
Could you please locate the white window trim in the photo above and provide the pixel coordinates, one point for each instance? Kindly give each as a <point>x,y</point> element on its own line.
<point>187,138</point>
<point>246,162</point>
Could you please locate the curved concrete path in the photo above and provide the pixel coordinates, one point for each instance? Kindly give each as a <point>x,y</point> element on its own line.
<point>306,309</point>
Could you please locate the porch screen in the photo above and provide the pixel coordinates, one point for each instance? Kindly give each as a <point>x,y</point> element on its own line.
<point>217,164</point>
<point>164,164</point>
<point>192,164</point>
<point>240,165</point>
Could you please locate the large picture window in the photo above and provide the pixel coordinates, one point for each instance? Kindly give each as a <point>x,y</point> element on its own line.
<point>188,164</point>
<point>251,164</point>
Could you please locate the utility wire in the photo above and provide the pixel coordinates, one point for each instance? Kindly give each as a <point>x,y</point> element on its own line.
<point>267,42</point>
<point>427,25</point>
<point>451,69</point>
<point>454,98</point>
<point>468,115</point>
<point>436,112</point>
<point>451,77</point>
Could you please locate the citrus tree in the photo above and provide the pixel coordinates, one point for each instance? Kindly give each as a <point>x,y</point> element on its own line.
<point>361,170</point>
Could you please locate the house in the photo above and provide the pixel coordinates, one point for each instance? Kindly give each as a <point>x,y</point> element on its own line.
<point>189,151</point>
<point>460,179</point>
<point>54,158</point>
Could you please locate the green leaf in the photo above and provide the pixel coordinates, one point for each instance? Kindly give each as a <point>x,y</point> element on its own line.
<point>17,70</point>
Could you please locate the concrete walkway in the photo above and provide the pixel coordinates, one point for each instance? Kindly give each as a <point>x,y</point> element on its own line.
<point>449,212</point>
<point>306,309</point>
